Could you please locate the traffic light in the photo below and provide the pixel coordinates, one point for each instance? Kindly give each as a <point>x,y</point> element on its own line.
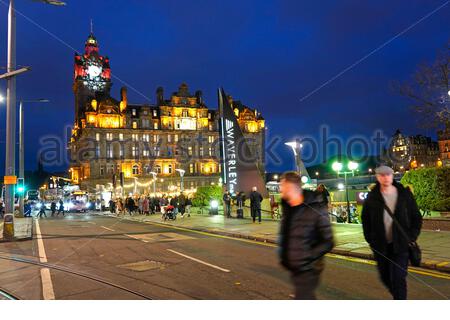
<point>20,188</point>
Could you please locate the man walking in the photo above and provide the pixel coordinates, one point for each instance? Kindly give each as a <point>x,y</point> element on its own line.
<point>227,203</point>
<point>255,204</point>
<point>305,235</point>
<point>389,246</point>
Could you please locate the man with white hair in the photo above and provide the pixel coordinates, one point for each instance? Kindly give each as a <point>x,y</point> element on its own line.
<point>255,204</point>
<point>387,200</point>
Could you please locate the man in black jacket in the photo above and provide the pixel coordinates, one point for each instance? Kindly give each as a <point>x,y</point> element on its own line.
<point>305,235</point>
<point>389,246</point>
<point>255,204</point>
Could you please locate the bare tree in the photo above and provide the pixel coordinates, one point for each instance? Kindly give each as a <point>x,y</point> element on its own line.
<point>429,92</point>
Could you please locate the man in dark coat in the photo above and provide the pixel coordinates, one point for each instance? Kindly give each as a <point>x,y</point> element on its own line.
<point>390,248</point>
<point>227,203</point>
<point>305,235</point>
<point>255,204</point>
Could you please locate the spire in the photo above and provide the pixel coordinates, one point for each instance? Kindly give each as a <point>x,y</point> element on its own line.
<point>92,27</point>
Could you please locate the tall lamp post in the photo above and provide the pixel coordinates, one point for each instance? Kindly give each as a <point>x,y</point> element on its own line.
<point>181,172</point>
<point>296,147</point>
<point>10,154</point>
<point>352,166</point>
<point>154,174</point>
<point>22,147</point>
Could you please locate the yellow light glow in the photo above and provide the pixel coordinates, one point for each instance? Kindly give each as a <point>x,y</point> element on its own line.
<point>122,106</point>
<point>94,104</point>
<point>108,121</point>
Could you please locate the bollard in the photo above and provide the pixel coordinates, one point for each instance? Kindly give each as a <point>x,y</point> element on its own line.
<point>8,227</point>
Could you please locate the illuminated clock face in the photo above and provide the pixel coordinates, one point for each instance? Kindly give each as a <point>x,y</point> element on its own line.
<point>94,71</point>
<point>93,79</point>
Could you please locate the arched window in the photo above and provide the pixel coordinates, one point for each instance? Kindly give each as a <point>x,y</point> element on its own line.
<point>135,169</point>
<point>169,168</point>
<point>158,169</point>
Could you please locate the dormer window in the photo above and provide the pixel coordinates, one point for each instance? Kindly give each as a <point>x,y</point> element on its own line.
<point>133,112</point>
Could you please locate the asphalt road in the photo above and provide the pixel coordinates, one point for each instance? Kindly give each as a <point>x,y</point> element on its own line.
<point>110,258</point>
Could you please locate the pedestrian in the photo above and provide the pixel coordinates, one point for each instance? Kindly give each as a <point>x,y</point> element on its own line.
<point>53,207</point>
<point>140,202</point>
<point>112,206</point>
<point>26,209</point>
<point>305,235</point>
<point>388,200</point>
<point>146,206</point>
<point>240,201</point>
<point>2,210</point>
<point>182,203</point>
<point>103,205</point>
<point>61,208</point>
<point>324,195</point>
<point>131,205</point>
<point>188,206</point>
<point>227,204</point>
<point>42,210</point>
<point>174,203</point>
<point>255,204</point>
<point>120,206</point>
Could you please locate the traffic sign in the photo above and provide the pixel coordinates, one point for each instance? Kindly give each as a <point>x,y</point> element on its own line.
<point>10,180</point>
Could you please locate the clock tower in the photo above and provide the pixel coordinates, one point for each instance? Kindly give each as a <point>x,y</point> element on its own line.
<point>92,77</point>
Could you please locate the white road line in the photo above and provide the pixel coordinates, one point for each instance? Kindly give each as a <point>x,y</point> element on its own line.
<point>41,249</point>
<point>47,286</point>
<point>107,228</point>
<point>199,261</point>
<point>136,238</point>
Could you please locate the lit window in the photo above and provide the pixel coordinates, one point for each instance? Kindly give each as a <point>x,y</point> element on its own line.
<point>169,138</point>
<point>155,125</point>
<point>109,136</point>
<point>97,151</point>
<point>146,137</point>
<point>155,113</point>
<point>155,138</point>
<point>134,151</point>
<point>210,151</point>
<point>185,113</point>
<point>135,125</point>
<point>176,137</point>
<point>121,136</point>
<point>145,153</point>
<point>109,151</point>
<point>97,136</point>
<point>135,137</point>
<point>209,115</point>
<point>158,169</point>
<point>169,168</point>
<point>200,151</point>
<point>135,169</point>
<point>121,151</point>
<point>191,168</point>
<point>102,170</point>
<point>190,151</point>
<point>133,112</point>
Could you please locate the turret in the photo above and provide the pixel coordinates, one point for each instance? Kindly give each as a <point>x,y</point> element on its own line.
<point>160,96</point>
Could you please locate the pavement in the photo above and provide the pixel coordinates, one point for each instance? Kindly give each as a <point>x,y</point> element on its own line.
<point>23,229</point>
<point>93,256</point>
<point>349,238</point>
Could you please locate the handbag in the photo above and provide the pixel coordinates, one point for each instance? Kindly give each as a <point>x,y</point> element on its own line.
<point>415,254</point>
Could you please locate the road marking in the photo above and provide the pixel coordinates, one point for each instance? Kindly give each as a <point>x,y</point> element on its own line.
<point>199,261</point>
<point>136,238</point>
<point>107,228</point>
<point>435,274</point>
<point>47,287</point>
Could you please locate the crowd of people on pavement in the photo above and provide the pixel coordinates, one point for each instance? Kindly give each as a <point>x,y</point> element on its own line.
<point>147,205</point>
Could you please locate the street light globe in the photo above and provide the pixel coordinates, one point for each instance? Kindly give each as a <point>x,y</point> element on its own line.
<point>2,98</point>
<point>352,165</point>
<point>305,179</point>
<point>337,166</point>
<point>340,186</point>
<point>275,177</point>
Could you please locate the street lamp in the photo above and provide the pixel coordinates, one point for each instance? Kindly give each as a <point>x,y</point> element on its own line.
<point>22,147</point>
<point>154,174</point>
<point>12,72</point>
<point>296,146</point>
<point>181,172</point>
<point>352,166</point>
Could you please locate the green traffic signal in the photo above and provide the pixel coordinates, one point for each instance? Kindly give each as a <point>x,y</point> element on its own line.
<point>20,188</point>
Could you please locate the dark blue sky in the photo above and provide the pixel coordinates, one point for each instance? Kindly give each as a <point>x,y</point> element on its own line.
<point>269,54</point>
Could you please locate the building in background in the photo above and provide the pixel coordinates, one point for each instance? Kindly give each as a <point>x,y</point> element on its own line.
<point>444,146</point>
<point>113,137</point>
<point>411,152</point>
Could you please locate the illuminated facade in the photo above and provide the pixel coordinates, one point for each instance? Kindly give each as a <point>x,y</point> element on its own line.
<point>412,152</point>
<point>112,136</point>
<point>444,146</point>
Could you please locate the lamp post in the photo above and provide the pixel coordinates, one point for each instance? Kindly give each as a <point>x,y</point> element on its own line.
<point>352,166</point>
<point>154,174</point>
<point>22,147</point>
<point>181,172</point>
<point>300,167</point>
